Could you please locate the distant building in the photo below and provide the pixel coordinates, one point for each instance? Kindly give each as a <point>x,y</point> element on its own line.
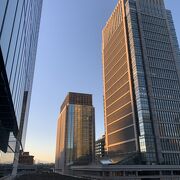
<point>141,73</point>
<point>26,159</point>
<point>75,132</point>
<point>100,147</point>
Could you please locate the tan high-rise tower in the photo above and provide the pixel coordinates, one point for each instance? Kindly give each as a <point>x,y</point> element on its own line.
<point>140,55</point>
<point>75,141</point>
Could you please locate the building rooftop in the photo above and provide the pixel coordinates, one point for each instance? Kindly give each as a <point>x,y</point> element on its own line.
<point>78,99</point>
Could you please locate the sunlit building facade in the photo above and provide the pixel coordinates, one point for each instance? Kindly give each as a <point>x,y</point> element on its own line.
<point>75,132</point>
<point>141,74</point>
<point>19,29</point>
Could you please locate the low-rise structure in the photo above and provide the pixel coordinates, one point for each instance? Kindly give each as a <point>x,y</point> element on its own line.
<point>26,159</point>
<point>128,172</point>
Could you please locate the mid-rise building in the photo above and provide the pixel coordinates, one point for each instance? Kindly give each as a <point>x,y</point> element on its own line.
<point>141,74</point>
<point>100,147</point>
<point>25,158</point>
<point>19,29</point>
<point>75,132</point>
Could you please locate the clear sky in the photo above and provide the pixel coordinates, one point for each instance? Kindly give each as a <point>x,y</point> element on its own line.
<point>69,59</point>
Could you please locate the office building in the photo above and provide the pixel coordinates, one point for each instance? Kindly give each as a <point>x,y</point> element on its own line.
<point>141,74</point>
<point>75,132</point>
<point>25,158</point>
<point>100,147</point>
<point>19,29</point>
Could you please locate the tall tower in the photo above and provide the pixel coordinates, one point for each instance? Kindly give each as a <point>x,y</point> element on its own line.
<point>75,141</point>
<point>141,63</point>
<point>19,29</point>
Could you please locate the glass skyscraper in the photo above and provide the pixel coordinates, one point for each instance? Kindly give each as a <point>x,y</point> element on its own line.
<point>75,141</point>
<point>19,29</point>
<point>141,74</point>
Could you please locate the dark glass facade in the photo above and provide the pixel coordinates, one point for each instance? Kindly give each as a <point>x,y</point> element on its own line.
<point>75,132</point>
<point>19,29</point>
<point>144,120</point>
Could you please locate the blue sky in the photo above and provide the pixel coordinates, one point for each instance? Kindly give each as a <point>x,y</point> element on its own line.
<point>69,59</point>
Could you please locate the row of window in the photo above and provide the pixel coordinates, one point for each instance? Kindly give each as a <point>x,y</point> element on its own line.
<point>156,36</point>
<point>126,109</point>
<point>118,59</point>
<point>113,40</point>
<point>168,117</point>
<point>118,74</point>
<point>170,144</point>
<point>124,88</point>
<point>171,158</point>
<point>165,83</point>
<point>118,48</point>
<point>154,28</point>
<point>159,53</point>
<point>153,11</point>
<point>154,8</point>
<point>163,73</point>
<point>153,20</point>
<point>166,93</point>
<point>169,130</point>
<point>161,63</point>
<point>167,105</point>
<point>84,100</point>
<point>158,45</point>
<point>119,83</point>
<point>118,104</point>
<point>113,23</point>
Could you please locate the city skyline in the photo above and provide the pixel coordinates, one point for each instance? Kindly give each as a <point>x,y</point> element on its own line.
<point>97,92</point>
